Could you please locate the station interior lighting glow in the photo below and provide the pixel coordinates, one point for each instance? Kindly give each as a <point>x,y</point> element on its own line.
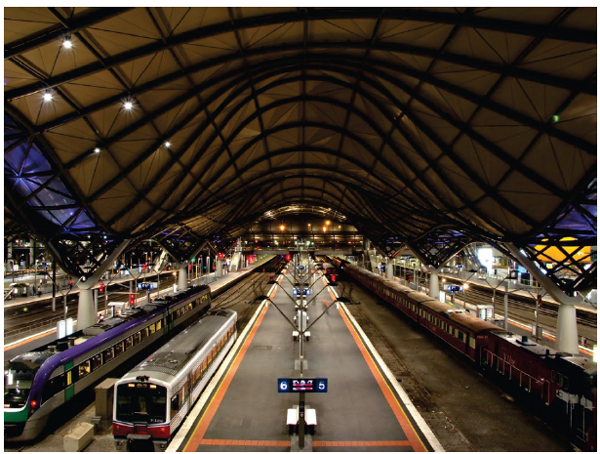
<point>47,96</point>
<point>128,105</point>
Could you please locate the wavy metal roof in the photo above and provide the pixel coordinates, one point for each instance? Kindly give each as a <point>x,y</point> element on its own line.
<point>400,119</point>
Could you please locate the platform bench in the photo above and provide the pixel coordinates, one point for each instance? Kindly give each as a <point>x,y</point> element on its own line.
<point>310,418</point>
<point>81,436</point>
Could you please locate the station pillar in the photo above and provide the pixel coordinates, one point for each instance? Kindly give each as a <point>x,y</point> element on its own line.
<point>86,315</point>
<point>434,284</point>
<point>182,283</point>
<point>566,329</point>
<point>389,268</point>
<point>219,267</point>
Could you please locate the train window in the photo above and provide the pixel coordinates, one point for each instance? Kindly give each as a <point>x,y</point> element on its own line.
<point>158,325</point>
<point>204,366</point>
<point>460,335</point>
<point>472,342</point>
<point>144,333</point>
<point>109,354</point>
<point>53,386</point>
<point>84,369</point>
<point>96,362</point>
<point>560,379</point>
<point>152,329</point>
<point>174,405</point>
<point>128,342</point>
<point>119,348</point>
<point>69,378</point>
<point>137,337</point>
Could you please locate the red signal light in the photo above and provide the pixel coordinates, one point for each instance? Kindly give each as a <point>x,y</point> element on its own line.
<point>288,257</point>
<point>220,255</point>
<point>132,299</point>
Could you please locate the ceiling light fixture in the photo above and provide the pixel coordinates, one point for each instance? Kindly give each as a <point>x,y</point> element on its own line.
<point>67,43</point>
<point>128,105</point>
<point>168,144</point>
<point>47,96</point>
<point>96,150</point>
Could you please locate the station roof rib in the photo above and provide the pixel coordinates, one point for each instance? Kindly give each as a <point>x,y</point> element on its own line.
<point>399,119</point>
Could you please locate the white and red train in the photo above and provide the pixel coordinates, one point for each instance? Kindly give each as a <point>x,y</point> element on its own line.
<point>563,385</point>
<point>152,400</point>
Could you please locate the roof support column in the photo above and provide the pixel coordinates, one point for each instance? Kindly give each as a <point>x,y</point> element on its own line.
<point>434,283</point>
<point>389,268</point>
<point>86,312</point>
<point>219,268</point>
<point>566,330</point>
<point>182,283</point>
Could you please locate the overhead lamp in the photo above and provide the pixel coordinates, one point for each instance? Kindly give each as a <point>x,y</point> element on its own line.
<point>47,96</point>
<point>67,43</point>
<point>282,227</point>
<point>128,105</point>
<point>96,150</point>
<point>327,222</point>
<point>168,144</point>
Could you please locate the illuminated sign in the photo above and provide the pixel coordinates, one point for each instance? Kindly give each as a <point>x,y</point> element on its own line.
<point>302,385</point>
<point>147,285</point>
<point>453,288</point>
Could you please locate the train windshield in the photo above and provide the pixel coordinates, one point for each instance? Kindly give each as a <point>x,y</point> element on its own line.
<point>141,402</point>
<point>16,390</point>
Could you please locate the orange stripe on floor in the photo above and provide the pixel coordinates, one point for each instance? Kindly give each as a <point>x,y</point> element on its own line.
<point>317,444</point>
<point>197,436</point>
<point>410,432</point>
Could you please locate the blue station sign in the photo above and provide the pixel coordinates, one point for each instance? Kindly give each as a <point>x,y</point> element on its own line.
<point>302,385</point>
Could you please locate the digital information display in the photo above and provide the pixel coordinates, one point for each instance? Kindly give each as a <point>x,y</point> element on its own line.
<point>147,285</point>
<point>454,288</point>
<point>302,385</point>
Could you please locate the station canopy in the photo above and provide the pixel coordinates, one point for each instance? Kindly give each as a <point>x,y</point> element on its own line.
<point>132,121</point>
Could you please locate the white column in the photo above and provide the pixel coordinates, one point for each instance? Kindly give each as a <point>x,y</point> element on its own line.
<point>182,283</point>
<point>566,330</point>
<point>85,310</point>
<point>434,284</point>
<point>219,267</point>
<point>389,268</point>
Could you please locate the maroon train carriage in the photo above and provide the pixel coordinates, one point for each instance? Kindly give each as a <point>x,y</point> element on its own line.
<point>561,384</point>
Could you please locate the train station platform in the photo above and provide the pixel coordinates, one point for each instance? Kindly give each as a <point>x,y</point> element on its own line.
<point>364,408</point>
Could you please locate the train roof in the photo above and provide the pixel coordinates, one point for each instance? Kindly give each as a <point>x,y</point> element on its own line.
<point>171,357</point>
<point>461,317</point>
<point>578,361</point>
<point>583,362</point>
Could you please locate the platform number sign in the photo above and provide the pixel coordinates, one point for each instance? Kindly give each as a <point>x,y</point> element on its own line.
<point>302,385</point>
